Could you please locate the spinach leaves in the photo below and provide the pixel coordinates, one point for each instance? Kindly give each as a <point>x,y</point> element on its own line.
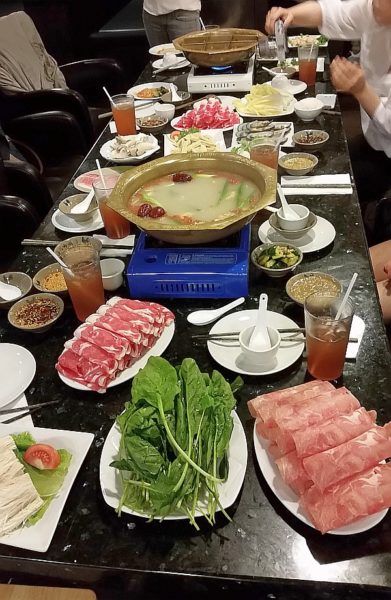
<point>175,433</point>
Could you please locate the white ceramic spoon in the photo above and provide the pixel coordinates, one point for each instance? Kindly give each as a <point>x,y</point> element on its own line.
<point>270,71</point>
<point>174,95</point>
<point>9,292</point>
<point>204,317</point>
<point>288,212</point>
<point>84,205</point>
<point>260,339</point>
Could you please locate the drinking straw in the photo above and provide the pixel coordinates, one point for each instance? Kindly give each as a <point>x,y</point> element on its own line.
<point>312,47</point>
<point>102,179</point>
<point>107,94</point>
<point>202,24</point>
<point>57,258</point>
<point>346,296</point>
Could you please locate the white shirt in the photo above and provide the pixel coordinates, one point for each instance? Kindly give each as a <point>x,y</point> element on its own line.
<point>352,20</point>
<point>162,7</point>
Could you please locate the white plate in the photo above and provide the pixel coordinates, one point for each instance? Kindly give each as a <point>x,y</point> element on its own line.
<point>110,480</point>
<point>176,120</point>
<point>64,223</point>
<point>105,151</point>
<point>17,370</point>
<point>39,536</point>
<point>180,63</point>
<point>289,141</point>
<point>84,182</point>
<point>156,350</point>
<point>288,111</point>
<point>137,88</point>
<point>155,49</point>
<point>216,134</point>
<point>229,355</point>
<point>291,501</point>
<point>294,86</point>
<point>316,239</point>
<point>225,101</point>
<point>310,39</point>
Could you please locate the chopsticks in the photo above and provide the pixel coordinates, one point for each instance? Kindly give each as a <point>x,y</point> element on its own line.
<point>231,336</point>
<point>28,410</point>
<point>45,243</point>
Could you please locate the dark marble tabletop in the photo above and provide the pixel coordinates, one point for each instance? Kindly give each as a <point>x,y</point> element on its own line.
<point>264,543</point>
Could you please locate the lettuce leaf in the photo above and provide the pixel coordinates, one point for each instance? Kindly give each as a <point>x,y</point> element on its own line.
<point>48,482</point>
<point>23,440</point>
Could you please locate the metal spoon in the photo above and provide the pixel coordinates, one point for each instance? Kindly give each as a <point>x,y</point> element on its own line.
<point>84,205</point>
<point>204,317</point>
<point>260,339</point>
<point>9,292</point>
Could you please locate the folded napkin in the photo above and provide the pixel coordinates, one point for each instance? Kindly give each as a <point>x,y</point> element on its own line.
<point>317,185</point>
<point>113,252</point>
<point>18,403</point>
<point>356,331</point>
<point>113,128</point>
<point>320,65</point>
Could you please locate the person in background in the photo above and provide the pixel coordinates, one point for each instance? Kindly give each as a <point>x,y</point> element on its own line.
<point>369,82</point>
<point>382,272</point>
<point>165,20</point>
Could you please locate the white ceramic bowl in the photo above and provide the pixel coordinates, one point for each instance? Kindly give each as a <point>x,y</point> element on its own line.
<point>294,225</point>
<point>167,111</point>
<point>112,269</point>
<point>260,357</point>
<point>308,114</point>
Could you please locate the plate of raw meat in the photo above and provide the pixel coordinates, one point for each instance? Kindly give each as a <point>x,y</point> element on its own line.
<point>322,455</point>
<point>114,344</point>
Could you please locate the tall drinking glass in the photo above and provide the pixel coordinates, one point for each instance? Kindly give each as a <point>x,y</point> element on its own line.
<point>116,226</point>
<point>308,57</point>
<point>265,152</point>
<point>326,336</point>
<point>124,114</point>
<point>83,274</point>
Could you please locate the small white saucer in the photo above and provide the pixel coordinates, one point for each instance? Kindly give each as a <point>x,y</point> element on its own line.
<point>180,63</point>
<point>294,86</point>
<point>318,238</point>
<point>64,223</point>
<point>229,354</point>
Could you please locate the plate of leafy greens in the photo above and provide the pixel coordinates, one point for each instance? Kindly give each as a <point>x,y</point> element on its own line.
<point>34,496</point>
<point>178,451</point>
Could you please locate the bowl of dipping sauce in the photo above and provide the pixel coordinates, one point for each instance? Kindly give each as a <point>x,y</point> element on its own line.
<point>298,163</point>
<point>293,234</point>
<point>112,270</point>
<point>21,281</point>
<point>288,71</point>
<point>69,203</point>
<point>308,108</point>
<point>36,313</point>
<point>276,260</point>
<point>152,124</point>
<point>260,357</point>
<point>311,139</point>
<point>50,279</point>
<point>302,285</point>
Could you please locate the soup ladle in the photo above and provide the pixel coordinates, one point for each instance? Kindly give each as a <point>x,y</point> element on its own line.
<point>204,317</point>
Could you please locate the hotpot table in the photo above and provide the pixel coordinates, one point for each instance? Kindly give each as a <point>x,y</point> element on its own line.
<point>264,552</point>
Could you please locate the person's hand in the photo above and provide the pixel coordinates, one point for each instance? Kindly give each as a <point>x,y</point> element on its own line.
<point>387,269</point>
<point>346,76</point>
<point>275,13</point>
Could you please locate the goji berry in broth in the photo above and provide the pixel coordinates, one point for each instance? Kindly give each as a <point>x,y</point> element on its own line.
<point>181,177</point>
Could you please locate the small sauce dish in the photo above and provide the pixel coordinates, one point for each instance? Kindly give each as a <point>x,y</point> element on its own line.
<point>112,270</point>
<point>260,357</point>
<point>294,225</point>
<point>166,111</point>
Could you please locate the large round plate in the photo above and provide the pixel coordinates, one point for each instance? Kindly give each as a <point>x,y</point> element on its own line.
<point>156,350</point>
<point>17,370</point>
<point>110,480</point>
<point>105,151</point>
<point>294,86</point>
<point>181,63</point>
<point>290,109</point>
<point>308,39</point>
<point>176,120</point>
<point>321,236</point>
<point>64,223</point>
<point>157,50</point>
<point>291,501</point>
<point>84,182</point>
<point>156,84</point>
<point>229,354</point>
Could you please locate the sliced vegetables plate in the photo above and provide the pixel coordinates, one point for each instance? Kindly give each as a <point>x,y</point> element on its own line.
<point>288,110</point>
<point>294,41</point>
<point>38,536</point>
<point>216,135</point>
<point>290,500</point>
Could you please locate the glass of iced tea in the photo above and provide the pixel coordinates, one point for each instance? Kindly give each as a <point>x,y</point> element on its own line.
<point>82,275</point>
<point>124,114</point>
<point>308,58</point>
<point>326,336</point>
<point>116,226</point>
<point>265,152</point>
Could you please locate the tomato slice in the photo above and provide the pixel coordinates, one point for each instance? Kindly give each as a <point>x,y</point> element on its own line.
<point>42,456</point>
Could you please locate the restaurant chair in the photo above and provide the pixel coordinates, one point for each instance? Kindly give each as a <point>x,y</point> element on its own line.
<point>18,220</point>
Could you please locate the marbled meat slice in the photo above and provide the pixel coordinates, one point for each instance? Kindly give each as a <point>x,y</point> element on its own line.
<point>78,369</point>
<point>293,473</point>
<point>355,456</point>
<point>115,325</point>
<point>138,320</point>
<point>333,432</point>
<point>160,313</point>
<point>264,406</point>
<point>109,342</point>
<point>94,354</point>
<point>290,417</point>
<point>357,497</point>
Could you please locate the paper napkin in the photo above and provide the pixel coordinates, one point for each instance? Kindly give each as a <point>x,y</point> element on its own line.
<point>317,185</point>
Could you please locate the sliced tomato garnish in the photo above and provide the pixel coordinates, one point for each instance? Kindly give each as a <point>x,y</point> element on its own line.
<point>42,456</point>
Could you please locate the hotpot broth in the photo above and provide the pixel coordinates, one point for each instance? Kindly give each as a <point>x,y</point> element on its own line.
<point>209,196</point>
